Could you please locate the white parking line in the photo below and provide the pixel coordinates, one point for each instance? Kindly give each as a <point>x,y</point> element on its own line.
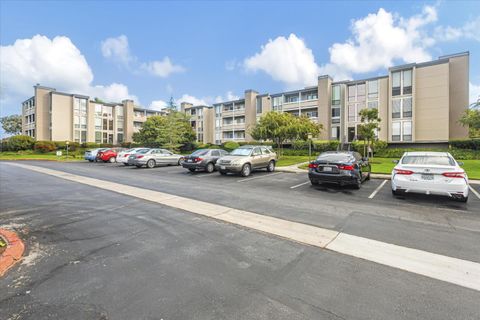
<point>299,185</point>
<point>464,273</point>
<point>474,192</point>
<point>378,189</point>
<point>258,177</point>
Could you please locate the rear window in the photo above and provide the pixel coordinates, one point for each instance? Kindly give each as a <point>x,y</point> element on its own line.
<point>143,151</point>
<point>200,153</point>
<point>336,157</point>
<point>430,160</point>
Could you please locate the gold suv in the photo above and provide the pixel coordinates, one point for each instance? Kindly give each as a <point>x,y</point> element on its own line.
<point>247,158</point>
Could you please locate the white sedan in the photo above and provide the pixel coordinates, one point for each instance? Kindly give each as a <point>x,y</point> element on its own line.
<point>122,157</point>
<point>430,173</point>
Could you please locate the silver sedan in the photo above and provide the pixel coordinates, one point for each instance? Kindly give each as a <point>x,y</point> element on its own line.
<point>155,157</point>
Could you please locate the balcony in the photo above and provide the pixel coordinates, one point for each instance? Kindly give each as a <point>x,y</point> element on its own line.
<point>233,126</point>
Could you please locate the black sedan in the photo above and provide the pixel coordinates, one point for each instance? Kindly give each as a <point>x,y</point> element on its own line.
<point>203,159</point>
<point>339,167</point>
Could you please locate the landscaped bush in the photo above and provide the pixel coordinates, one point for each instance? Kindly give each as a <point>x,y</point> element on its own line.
<point>4,145</point>
<point>459,154</point>
<point>89,145</point>
<point>377,146</point>
<point>472,144</point>
<point>263,143</point>
<point>325,145</point>
<point>230,145</point>
<point>20,142</point>
<point>44,146</point>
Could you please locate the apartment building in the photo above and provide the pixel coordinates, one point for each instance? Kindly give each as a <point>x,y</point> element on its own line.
<point>417,102</point>
<point>59,116</point>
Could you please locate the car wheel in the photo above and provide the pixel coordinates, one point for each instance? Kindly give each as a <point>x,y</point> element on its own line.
<point>246,170</point>
<point>179,163</point>
<point>271,166</point>
<point>191,170</point>
<point>358,184</point>
<point>210,167</point>
<point>150,163</point>
<point>112,160</point>
<point>223,173</point>
<point>396,193</point>
<point>462,199</point>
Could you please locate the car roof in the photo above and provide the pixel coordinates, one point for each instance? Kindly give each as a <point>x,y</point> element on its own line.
<point>338,152</point>
<point>426,153</point>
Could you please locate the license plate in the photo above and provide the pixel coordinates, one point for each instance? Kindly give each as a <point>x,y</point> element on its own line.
<point>189,160</point>
<point>427,176</point>
<point>222,167</point>
<point>327,168</point>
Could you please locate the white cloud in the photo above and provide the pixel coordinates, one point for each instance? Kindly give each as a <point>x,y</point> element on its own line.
<point>117,49</point>
<point>193,100</point>
<point>157,105</point>
<point>288,60</point>
<point>162,68</point>
<point>55,63</point>
<point>230,96</point>
<point>474,92</point>
<point>381,38</point>
<point>470,30</point>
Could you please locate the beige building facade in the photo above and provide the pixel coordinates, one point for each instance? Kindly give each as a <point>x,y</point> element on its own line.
<point>418,103</point>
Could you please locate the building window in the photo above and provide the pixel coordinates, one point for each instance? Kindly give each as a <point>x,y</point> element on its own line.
<point>335,133</point>
<point>373,90</point>
<point>351,93</point>
<point>396,83</point>
<point>310,95</point>
<point>396,131</point>
<point>259,106</point>
<point>352,112</point>
<point>372,104</point>
<point>407,81</point>
<point>277,104</point>
<point>336,95</point>
<point>407,131</point>
<point>291,98</point>
<point>396,108</point>
<point>119,137</point>
<point>98,137</point>
<point>407,107</point>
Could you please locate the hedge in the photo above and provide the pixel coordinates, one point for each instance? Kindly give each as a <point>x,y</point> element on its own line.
<point>471,144</point>
<point>44,146</point>
<point>20,142</point>
<point>230,145</point>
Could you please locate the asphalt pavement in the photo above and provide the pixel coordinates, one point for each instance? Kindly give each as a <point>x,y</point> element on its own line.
<point>96,254</point>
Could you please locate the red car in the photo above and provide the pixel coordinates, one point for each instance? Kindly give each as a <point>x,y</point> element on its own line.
<point>109,155</point>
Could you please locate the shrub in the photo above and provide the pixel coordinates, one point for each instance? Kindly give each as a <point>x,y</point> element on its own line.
<point>4,145</point>
<point>20,142</point>
<point>473,144</point>
<point>44,146</point>
<point>90,145</point>
<point>230,145</point>
<point>325,145</point>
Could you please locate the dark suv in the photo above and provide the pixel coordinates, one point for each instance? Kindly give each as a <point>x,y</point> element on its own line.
<point>203,159</point>
<point>340,167</point>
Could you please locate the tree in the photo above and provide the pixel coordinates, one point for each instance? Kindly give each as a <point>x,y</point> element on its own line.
<point>471,119</point>
<point>369,126</point>
<point>171,131</point>
<point>12,124</point>
<point>172,105</point>
<point>280,127</point>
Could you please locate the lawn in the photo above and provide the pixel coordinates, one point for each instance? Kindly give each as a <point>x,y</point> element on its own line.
<point>36,156</point>
<point>290,160</point>
<point>385,165</point>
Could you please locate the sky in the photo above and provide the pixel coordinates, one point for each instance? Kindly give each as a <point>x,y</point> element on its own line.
<point>209,51</point>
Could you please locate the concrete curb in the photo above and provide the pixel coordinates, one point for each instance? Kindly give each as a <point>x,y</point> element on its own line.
<point>14,251</point>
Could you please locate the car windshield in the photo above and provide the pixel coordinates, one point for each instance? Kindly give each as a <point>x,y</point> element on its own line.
<point>335,157</point>
<point>143,151</point>
<point>429,160</point>
<point>200,153</point>
<point>241,152</point>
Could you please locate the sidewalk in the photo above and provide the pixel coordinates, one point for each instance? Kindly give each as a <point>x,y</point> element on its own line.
<point>294,169</point>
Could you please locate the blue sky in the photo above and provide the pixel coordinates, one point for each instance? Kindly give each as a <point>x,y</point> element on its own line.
<point>210,51</point>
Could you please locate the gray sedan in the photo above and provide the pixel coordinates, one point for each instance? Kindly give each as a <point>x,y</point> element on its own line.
<point>155,157</point>
<point>203,159</point>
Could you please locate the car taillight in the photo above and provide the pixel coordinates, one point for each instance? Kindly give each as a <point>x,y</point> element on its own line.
<point>313,165</point>
<point>345,167</point>
<point>126,155</point>
<point>139,157</point>
<point>197,159</point>
<point>401,171</point>
<point>454,174</point>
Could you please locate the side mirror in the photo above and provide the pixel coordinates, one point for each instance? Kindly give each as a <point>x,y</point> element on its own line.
<point>395,161</point>
<point>460,163</point>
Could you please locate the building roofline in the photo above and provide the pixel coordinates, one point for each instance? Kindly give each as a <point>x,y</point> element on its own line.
<point>454,55</point>
<point>27,99</point>
<point>44,87</point>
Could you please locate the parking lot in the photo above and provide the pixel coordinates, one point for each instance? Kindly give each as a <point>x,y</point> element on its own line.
<point>173,263</point>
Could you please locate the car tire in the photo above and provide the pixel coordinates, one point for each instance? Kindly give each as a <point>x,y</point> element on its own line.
<point>223,173</point>
<point>90,160</point>
<point>138,165</point>
<point>112,160</point>
<point>314,183</point>
<point>179,162</point>
<point>271,166</point>
<point>191,170</point>
<point>246,170</point>
<point>396,193</point>
<point>210,167</point>
<point>126,164</point>
<point>462,199</point>
<point>150,163</point>
<point>368,176</point>
<point>358,184</point>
